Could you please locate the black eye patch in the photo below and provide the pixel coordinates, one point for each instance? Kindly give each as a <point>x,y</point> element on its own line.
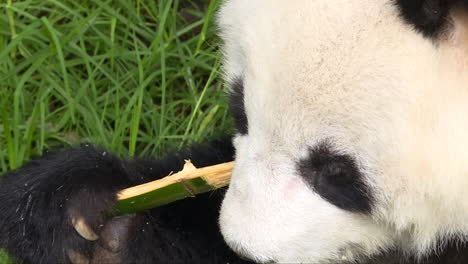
<point>237,106</point>
<point>427,16</point>
<point>336,178</point>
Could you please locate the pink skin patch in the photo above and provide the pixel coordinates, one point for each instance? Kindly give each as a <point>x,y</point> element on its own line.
<point>292,187</point>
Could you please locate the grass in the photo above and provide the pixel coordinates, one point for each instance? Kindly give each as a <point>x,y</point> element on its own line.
<point>133,76</point>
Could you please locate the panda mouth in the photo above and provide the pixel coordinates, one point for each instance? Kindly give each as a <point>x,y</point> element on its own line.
<point>352,253</point>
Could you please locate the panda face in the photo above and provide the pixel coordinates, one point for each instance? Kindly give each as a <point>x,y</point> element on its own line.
<point>352,125</point>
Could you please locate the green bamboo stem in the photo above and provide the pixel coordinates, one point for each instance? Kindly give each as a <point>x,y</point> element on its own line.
<point>187,183</point>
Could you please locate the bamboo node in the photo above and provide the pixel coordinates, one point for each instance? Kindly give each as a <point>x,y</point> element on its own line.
<point>188,188</point>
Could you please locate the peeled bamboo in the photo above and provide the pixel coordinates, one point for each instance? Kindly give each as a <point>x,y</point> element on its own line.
<point>189,182</point>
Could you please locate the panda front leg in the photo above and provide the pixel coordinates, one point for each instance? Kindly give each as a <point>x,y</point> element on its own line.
<point>50,210</point>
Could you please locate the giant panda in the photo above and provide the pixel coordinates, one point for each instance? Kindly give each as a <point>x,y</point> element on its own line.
<point>350,147</point>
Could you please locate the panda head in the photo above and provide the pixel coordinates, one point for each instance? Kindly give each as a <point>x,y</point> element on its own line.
<point>352,127</point>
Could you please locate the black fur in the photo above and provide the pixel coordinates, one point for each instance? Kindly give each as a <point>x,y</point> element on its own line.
<point>336,177</point>
<point>237,106</point>
<point>37,199</point>
<point>427,16</point>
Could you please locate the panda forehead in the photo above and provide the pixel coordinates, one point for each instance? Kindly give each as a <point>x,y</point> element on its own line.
<point>261,34</point>
<point>315,75</point>
<point>323,45</point>
<point>292,69</point>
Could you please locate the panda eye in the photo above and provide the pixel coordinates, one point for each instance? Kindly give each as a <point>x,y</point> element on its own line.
<point>237,106</point>
<point>336,178</point>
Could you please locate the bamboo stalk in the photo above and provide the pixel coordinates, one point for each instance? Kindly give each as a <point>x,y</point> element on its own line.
<point>189,182</point>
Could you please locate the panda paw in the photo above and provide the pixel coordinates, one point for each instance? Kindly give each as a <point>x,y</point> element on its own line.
<point>110,244</point>
<point>51,209</point>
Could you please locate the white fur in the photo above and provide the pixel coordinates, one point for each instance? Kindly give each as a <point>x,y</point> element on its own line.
<point>353,72</point>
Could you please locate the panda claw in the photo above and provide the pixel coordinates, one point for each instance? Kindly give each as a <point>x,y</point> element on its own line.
<point>84,230</point>
<point>76,257</point>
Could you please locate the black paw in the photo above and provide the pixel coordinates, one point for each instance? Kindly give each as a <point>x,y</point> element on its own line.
<point>111,240</point>
<point>51,209</point>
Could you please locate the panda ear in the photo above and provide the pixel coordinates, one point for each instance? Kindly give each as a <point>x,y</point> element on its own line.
<point>427,16</point>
